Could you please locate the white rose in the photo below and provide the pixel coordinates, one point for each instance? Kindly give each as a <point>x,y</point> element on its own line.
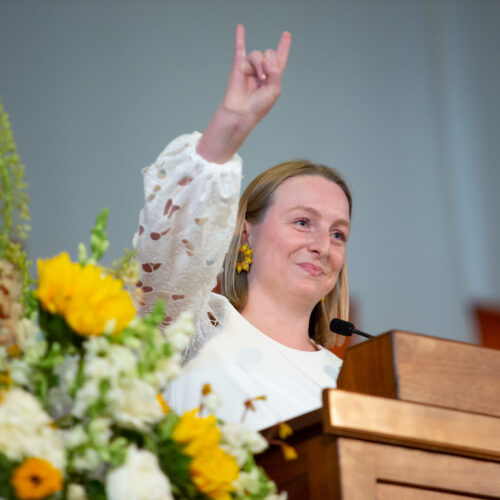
<point>25,429</point>
<point>134,406</point>
<point>139,478</point>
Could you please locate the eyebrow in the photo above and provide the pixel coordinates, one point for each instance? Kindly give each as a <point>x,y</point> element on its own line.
<point>315,212</point>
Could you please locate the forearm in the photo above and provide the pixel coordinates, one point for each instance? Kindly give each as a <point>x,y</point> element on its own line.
<point>224,135</point>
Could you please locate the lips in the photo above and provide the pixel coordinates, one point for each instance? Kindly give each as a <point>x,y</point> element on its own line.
<point>311,268</point>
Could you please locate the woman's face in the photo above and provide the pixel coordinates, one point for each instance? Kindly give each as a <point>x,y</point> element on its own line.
<point>299,246</point>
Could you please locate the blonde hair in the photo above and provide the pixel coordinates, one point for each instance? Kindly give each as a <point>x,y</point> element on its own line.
<point>254,202</point>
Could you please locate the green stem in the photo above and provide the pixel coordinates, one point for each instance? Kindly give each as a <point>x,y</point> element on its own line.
<point>5,179</point>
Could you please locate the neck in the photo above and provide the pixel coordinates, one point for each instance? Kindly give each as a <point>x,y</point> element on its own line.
<point>286,324</point>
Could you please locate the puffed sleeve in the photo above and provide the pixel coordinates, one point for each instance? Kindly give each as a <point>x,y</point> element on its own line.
<point>185,227</point>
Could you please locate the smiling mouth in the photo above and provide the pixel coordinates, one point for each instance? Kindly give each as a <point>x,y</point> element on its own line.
<point>311,268</point>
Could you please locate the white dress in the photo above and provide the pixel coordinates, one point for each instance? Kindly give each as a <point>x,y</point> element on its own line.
<point>184,232</point>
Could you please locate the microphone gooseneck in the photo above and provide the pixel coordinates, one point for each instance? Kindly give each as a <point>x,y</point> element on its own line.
<point>346,329</point>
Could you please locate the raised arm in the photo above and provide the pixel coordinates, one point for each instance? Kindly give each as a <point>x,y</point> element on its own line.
<point>192,190</point>
<point>253,87</point>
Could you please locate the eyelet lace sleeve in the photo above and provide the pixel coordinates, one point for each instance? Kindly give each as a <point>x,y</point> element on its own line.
<point>185,229</point>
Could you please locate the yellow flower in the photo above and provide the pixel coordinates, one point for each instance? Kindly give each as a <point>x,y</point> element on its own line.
<point>249,403</point>
<point>91,303</point>
<point>164,405</point>
<point>36,478</point>
<point>244,258</point>
<point>289,452</point>
<point>197,433</point>
<point>284,430</point>
<point>212,469</point>
<point>213,472</point>
<point>14,351</point>
<point>5,382</point>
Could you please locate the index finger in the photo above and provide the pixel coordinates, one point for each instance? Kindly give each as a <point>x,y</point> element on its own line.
<point>284,47</point>
<point>240,52</point>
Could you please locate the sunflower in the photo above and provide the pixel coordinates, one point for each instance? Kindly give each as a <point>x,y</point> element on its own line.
<point>244,258</point>
<point>90,301</point>
<point>36,478</point>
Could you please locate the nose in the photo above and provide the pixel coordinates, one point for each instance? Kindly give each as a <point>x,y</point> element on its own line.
<point>319,243</point>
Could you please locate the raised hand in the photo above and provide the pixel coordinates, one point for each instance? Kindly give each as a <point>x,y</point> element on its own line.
<point>255,81</point>
<point>253,87</point>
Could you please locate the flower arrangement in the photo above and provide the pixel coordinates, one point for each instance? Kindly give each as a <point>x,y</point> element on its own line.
<point>82,416</point>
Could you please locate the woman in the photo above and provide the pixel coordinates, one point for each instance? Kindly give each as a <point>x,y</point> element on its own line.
<point>295,218</point>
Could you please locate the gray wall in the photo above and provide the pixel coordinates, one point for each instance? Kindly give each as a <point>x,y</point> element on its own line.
<point>402,96</point>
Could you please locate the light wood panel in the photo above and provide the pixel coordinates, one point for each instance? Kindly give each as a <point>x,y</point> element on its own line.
<point>411,367</point>
<point>377,471</point>
<point>411,424</point>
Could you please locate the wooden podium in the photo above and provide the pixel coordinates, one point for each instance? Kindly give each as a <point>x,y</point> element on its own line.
<point>413,418</point>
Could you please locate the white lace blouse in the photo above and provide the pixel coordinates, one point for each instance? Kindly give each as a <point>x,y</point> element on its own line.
<point>185,229</point>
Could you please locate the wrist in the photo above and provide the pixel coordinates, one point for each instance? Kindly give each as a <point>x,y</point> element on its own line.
<point>224,135</point>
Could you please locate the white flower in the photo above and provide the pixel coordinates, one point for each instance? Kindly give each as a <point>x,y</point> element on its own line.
<point>179,333</point>
<point>247,483</point>
<point>211,402</point>
<point>76,492</point>
<point>67,372</point>
<point>118,362</point>
<point>135,406</point>
<point>20,372</point>
<point>59,402</point>
<point>277,496</point>
<point>139,478</point>
<point>238,440</point>
<point>27,334</point>
<point>96,346</point>
<point>25,429</point>
<point>99,429</point>
<point>167,369</point>
<point>86,395</point>
<point>75,436</point>
<point>88,460</point>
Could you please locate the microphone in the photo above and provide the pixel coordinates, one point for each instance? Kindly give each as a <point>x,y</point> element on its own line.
<point>346,329</point>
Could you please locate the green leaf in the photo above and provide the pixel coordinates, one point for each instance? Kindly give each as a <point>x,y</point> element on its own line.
<point>98,240</point>
<point>6,469</point>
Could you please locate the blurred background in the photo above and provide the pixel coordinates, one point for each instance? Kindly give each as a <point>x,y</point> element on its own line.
<point>402,96</point>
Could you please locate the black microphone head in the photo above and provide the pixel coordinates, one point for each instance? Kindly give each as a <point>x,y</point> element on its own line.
<point>341,327</point>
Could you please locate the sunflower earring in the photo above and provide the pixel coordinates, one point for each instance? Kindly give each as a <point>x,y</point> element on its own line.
<point>244,258</point>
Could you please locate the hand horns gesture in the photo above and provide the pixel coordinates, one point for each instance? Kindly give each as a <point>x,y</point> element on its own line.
<point>254,84</point>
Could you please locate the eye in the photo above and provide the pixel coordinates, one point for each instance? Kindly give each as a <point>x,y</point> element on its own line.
<point>339,235</point>
<point>302,221</point>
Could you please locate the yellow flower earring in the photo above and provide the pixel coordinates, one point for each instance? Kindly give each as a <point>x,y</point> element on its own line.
<point>244,258</point>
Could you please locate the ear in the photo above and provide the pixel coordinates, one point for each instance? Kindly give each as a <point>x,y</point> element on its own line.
<point>246,232</point>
